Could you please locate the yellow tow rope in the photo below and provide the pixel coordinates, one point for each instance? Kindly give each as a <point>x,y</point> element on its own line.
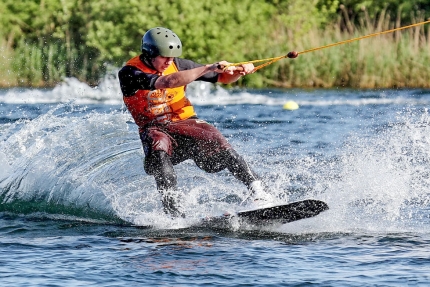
<point>295,54</point>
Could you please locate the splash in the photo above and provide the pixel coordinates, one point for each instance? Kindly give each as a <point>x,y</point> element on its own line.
<point>63,158</point>
<point>77,161</point>
<point>87,164</point>
<point>378,183</point>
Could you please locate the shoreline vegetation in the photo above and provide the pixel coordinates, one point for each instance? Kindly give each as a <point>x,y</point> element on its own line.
<point>44,41</point>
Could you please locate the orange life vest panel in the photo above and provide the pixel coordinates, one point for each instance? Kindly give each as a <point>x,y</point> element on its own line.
<point>158,106</point>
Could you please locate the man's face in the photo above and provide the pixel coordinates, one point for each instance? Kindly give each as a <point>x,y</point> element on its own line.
<point>162,63</point>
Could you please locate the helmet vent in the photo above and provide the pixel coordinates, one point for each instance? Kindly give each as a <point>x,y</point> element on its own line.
<point>161,42</point>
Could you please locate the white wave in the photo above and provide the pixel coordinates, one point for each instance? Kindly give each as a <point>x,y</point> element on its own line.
<point>364,102</point>
<point>201,94</point>
<point>108,92</point>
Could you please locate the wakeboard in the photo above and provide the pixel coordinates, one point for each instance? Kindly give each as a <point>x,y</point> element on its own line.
<point>279,214</point>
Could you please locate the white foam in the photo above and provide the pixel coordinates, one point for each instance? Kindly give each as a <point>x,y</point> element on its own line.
<point>200,93</point>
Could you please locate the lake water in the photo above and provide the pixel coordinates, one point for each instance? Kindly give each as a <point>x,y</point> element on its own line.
<point>75,199</point>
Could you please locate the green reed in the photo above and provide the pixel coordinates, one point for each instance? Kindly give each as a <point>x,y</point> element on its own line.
<point>8,76</point>
<point>42,65</point>
<point>400,59</point>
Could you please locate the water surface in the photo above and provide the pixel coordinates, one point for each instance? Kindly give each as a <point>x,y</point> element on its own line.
<point>73,191</point>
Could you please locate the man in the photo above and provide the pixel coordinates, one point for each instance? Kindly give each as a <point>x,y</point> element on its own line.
<point>153,86</point>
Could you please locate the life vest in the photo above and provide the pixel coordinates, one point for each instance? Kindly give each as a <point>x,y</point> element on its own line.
<point>158,106</point>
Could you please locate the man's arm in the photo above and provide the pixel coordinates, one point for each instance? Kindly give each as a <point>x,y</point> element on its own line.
<point>185,77</point>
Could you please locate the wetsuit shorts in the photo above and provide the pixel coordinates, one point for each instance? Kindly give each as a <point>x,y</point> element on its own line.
<point>186,139</point>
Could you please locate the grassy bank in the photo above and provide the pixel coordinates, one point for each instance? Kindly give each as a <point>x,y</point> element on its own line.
<point>42,42</point>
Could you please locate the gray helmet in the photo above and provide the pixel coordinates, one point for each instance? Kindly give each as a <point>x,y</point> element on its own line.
<point>163,42</point>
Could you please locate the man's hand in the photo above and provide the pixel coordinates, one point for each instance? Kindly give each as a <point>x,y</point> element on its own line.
<point>223,67</point>
<point>247,69</point>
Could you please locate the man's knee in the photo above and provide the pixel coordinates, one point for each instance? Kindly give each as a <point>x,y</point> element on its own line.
<point>217,162</point>
<point>156,140</point>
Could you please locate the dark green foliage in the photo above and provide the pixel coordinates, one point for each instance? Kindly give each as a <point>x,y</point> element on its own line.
<point>44,41</point>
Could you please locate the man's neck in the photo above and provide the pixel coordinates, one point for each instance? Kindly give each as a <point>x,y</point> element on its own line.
<point>147,61</point>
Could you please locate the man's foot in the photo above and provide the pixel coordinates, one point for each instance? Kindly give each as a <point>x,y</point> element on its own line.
<point>171,204</point>
<point>259,197</point>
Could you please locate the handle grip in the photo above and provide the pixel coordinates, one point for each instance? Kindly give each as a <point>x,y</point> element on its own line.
<point>239,69</point>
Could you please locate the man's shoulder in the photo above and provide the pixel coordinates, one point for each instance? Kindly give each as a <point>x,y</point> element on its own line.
<point>128,68</point>
<point>126,71</point>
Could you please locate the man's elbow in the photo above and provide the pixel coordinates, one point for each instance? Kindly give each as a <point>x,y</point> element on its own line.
<point>167,82</point>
